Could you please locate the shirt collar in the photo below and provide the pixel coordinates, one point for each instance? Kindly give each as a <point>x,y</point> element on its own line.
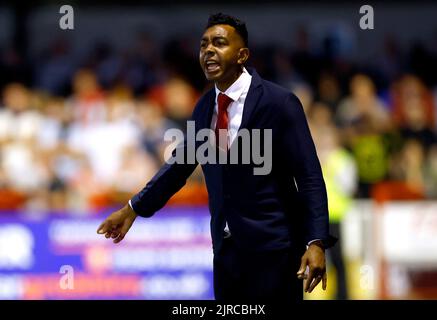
<point>238,87</point>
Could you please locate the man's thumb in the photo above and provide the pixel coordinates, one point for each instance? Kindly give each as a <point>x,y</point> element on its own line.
<point>103,228</point>
<point>302,268</point>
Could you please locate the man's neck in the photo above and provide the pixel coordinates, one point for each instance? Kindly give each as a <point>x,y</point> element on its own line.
<point>224,85</point>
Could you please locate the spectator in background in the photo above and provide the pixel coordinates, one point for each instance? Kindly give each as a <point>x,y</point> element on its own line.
<point>340,175</point>
<point>153,123</point>
<point>18,121</point>
<point>108,64</point>
<point>403,91</point>
<point>413,111</point>
<point>431,173</point>
<point>319,116</point>
<point>362,102</point>
<point>284,71</point>
<point>55,67</point>
<point>389,60</point>
<point>176,97</point>
<point>136,164</point>
<point>305,95</point>
<point>53,131</point>
<point>408,167</point>
<point>19,129</point>
<point>305,61</point>
<point>63,164</point>
<point>105,141</point>
<point>56,119</point>
<point>407,175</point>
<point>87,101</point>
<point>143,63</point>
<point>370,149</point>
<point>364,122</point>
<point>329,91</point>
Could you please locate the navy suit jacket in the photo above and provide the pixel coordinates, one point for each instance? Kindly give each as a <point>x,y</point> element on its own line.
<point>283,209</point>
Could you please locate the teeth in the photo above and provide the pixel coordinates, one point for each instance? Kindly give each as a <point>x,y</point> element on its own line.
<point>212,66</point>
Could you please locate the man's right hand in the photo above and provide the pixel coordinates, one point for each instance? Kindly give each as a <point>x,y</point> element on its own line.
<point>118,224</point>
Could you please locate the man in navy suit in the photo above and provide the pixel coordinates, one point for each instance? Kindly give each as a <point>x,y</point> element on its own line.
<point>270,230</point>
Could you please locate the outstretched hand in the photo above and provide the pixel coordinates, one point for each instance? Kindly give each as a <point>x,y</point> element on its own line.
<point>314,258</point>
<point>118,224</point>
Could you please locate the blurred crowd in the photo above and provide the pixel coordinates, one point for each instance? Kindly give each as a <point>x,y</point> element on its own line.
<point>81,133</point>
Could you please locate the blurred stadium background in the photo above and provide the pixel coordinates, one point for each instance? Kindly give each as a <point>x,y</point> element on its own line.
<point>82,116</point>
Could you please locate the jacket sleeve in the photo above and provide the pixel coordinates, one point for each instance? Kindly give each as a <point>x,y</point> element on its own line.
<point>300,152</point>
<point>167,181</point>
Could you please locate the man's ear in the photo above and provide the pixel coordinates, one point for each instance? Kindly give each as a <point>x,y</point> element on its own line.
<point>243,55</point>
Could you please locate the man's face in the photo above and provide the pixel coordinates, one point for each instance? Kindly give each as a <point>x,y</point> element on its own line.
<point>222,52</point>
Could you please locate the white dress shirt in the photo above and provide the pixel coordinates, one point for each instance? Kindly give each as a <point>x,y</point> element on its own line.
<point>238,93</point>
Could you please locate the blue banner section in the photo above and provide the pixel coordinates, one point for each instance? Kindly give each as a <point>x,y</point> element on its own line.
<point>168,256</point>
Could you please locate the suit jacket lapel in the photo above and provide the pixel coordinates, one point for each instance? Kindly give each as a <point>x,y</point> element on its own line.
<point>252,98</point>
<point>208,108</point>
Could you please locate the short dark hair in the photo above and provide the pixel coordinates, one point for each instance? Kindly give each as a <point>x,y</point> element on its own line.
<point>239,26</point>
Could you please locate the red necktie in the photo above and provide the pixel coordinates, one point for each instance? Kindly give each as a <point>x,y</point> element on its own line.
<point>223,102</point>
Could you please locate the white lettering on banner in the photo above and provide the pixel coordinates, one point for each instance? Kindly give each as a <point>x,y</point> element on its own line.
<point>16,247</point>
<point>199,258</point>
<point>168,230</point>
<point>173,287</point>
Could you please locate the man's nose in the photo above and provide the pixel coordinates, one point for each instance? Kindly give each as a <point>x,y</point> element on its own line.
<point>209,49</point>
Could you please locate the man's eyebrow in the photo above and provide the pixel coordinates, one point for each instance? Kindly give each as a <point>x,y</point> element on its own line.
<point>219,38</point>
<point>213,38</point>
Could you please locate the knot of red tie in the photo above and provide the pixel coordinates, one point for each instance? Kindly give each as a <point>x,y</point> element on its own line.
<point>223,102</point>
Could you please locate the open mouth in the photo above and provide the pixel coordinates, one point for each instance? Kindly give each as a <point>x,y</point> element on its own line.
<point>211,66</point>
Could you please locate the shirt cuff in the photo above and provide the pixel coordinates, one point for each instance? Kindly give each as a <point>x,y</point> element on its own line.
<point>130,205</point>
<point>314,240</point>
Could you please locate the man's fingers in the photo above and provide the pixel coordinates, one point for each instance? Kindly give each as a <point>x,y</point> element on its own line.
<point>314,283</point>
<point>103,228</point>
<point>309,280</point>
<point>116,226</point>
<point>119,238</point>
<point>107,226</point>
<point>124,229</point>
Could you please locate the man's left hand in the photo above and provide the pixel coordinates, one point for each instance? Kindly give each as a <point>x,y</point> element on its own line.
<point>314,258</point>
